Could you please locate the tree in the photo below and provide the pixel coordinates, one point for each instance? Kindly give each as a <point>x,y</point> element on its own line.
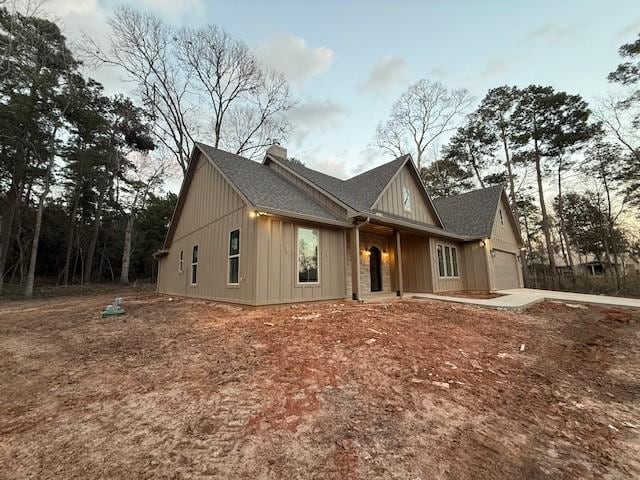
<point>145,48</point>
<point>628,75</point>
<point>421,115</point>
<point>473,146</point>
<point>446,177</point>
<point>603,162</point>
<point>35,58</point>
<point>545,124</point>
<point>247,101</point>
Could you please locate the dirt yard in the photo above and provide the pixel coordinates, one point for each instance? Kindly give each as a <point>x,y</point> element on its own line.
<point>407,389</point>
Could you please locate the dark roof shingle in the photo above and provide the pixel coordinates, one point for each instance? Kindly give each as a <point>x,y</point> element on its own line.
<point>264,187</point>
<point>471,214</point>
<point>359,192</point>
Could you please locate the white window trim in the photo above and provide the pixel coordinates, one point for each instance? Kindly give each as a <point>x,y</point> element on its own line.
<point>181,262</point>
<point>444,259</point>
<point>297,272</point>
<point>194,263</point>
<point>229,256</point>
<point>406,208</point>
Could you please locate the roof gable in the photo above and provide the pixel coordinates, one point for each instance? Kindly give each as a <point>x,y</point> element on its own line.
<point>472,213</point>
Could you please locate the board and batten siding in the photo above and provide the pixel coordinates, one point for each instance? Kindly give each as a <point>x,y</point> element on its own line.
<point>503,235</point>
<point>315,194</point>
<point>211,209</point>
<point>391,199</point>
<point>276,263</point>
<point>476,266</point>
<point>417,266</point>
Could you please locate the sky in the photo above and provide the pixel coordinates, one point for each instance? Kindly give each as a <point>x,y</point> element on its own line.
<point>348,61</point>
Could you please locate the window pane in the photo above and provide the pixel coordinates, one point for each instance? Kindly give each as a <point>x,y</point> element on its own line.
<point>307,255</point>
<point>454,259</point>
<point>194,254</point>
<point>194,274</point>
<point>234,242</point>
<point>447,260</point>
<point>406,199</point>
<point>440,261</point>
<point>234,264</point>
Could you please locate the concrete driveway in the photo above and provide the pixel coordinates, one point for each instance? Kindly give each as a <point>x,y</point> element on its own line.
<point>521,298</point>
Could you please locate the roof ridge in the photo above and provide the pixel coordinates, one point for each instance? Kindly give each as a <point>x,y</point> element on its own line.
<point>458,195</point>
<point>403,157</point>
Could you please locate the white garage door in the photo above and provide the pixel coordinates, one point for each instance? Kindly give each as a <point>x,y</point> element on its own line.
<point>506,270</point>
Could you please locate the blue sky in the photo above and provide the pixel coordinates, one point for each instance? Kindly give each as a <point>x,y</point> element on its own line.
<point>349,61</point>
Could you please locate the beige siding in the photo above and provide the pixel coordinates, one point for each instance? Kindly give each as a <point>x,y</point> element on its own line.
<point>276,270</point>
<point>391,199</point>
<point>503,235</point>
<point>416,263</point>
<point>476,269</point>
<point>211,210</point>
<point>319,197</point>
<point>446,284</point>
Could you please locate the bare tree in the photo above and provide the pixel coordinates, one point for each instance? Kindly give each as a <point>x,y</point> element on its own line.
<point>145,48</point>
<point>246,101</point>
<point>424,112</point>
<point>617,121</point>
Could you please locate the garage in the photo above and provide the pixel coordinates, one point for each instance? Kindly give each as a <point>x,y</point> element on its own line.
<point>506,270</point>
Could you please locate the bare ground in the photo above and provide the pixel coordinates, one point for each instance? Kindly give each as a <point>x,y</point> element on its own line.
<point>192,389</point>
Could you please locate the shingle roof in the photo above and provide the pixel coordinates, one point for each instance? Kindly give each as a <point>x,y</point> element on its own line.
<point>472,213</point>
<point>264,187</point>
<point>359,192</point>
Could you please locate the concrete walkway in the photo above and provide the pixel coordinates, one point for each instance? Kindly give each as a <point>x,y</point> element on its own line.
<point>520,298</point>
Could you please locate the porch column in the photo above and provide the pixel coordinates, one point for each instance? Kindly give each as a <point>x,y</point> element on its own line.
<point>399,285</point>
<point>355,263</point>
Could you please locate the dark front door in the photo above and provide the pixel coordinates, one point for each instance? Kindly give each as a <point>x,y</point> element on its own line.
<point>374,269</point>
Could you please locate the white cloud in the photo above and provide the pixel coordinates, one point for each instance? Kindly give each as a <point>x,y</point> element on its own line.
<point>312,117</point>
<point>552,33</point>
<point>386,73</point>
<point>291,56</point>
<point>630,30</point>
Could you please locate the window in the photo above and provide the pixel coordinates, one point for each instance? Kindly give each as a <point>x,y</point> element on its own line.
<point>194,265</point>
<point>501,219</point>
<point>406,199</point>
<point>181,263</point>
<point>234,257</point>
<point>308,255</point>
<point>447,261</point>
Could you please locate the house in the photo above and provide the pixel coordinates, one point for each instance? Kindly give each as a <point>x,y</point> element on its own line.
<point>279,232</point>
<point>596,265</point>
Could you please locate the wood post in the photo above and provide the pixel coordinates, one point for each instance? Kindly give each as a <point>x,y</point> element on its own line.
<point>355,263</point>
<point>399,285</point>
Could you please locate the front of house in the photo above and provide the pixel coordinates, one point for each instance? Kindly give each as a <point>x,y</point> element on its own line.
<point>279,232</point>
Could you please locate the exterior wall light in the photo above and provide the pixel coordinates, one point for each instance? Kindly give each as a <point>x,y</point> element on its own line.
<point>482,243</point>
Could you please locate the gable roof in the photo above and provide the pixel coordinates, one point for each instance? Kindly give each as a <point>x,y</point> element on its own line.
<point>359,192</point>
<point>263,187</point>
<point>471,214</point>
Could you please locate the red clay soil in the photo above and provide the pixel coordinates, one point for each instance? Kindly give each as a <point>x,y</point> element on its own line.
<point>192,389</point>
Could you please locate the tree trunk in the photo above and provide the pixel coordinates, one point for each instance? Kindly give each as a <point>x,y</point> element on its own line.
<point>563,232</point>
<point>88,267</point>
<point>514,204</point>
<point>70,235</point>
<point>546,229</point>
<point>126,251</point>
<point>28,290</point>
<point>6,227</point>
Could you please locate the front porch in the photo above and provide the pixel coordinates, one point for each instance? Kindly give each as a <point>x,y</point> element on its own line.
<point>383,261</point>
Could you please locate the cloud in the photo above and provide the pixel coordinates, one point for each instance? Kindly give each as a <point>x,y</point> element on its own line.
<point>630,30</point>
<point>551,33</point>
<point>387,72</point>
<point>291,56</point>
<point>439,72</point>
<point>312,117</point>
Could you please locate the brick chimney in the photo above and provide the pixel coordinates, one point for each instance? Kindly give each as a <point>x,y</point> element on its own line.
<point>277,150</point>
